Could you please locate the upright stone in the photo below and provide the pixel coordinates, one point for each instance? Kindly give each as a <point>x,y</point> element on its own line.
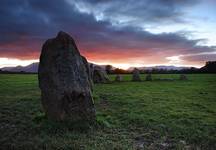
<point>118,78</point>
<point>149,77</point>
<point>136,75</point>
<point>64,80</point>
<point>183,77</point>
<point>100,75</point>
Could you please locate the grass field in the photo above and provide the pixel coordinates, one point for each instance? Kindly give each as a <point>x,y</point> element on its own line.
<point>130,115</point>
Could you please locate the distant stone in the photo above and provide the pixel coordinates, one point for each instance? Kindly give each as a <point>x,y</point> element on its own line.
<point>118,78</point>
<point>64,80</point>
<point>136,75</point>
<point>100,75</point>
<point>183,77</point>
<point>149,77</point>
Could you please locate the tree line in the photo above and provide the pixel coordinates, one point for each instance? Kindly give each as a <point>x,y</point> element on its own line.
<point>210,67</point>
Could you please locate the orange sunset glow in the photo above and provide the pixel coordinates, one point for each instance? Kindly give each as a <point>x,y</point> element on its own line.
<point>135,38</point>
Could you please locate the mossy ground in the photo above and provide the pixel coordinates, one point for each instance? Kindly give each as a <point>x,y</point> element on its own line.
<point>130,115</point>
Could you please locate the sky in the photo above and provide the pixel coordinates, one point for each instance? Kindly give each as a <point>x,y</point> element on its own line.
<point>122,33</point>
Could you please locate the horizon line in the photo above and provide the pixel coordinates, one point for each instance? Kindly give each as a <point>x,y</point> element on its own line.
<point>24,63</point>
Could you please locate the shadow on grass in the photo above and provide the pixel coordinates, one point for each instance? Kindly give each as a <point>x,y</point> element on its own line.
<point>55,127</point>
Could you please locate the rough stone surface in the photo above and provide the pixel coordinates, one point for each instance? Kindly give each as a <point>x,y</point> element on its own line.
<point>64,80</point>
<point>118,78</point>
<point>88,71</point>
<point>100,75</point>
<point>136,75</point>
<point>183,77</point>
<point>91,66</point>
<point>149,77</point>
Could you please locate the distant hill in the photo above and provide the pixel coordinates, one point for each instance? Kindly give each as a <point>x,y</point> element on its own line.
<point>32,68</point>
<point>159,67</point>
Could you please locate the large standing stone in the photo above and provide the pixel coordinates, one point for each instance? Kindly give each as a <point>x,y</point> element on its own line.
<point>100,75</point>
<point>64,80</point>
<point>183,77</point>
<point>149,77</point>
<point>118,78</point>
<point>136,75</point>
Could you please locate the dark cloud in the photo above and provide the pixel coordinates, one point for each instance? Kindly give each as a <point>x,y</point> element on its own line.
<point>201,57</point>
<point>26,24</point>
<point>130,11</point>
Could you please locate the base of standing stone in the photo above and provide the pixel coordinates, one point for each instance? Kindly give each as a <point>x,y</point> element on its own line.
<point>149,77</point>
<point>118,78</point>
<point>183,77</point>
<point>136,76</point>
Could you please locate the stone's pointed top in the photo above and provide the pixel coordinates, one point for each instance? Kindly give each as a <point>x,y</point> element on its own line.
<point>63,35</point>
<point>65,39</point>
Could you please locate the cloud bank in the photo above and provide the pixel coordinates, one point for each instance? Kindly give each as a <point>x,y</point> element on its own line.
<point>106,31</point>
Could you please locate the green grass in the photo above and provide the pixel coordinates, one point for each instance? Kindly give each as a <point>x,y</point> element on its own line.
<point>158,115</point>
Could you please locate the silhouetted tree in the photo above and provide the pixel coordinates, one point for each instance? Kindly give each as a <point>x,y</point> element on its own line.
<point>120,71</point>
<point>108,69</point>
<point>210,67</point>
